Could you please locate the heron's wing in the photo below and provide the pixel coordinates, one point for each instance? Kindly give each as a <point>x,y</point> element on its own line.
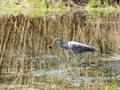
<point>76,44</point>
<point>77,47</point>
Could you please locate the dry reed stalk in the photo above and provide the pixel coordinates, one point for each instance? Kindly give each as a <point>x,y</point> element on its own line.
<point>6,36</point>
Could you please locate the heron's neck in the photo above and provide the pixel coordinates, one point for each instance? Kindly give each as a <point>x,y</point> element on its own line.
<point>62,45</point>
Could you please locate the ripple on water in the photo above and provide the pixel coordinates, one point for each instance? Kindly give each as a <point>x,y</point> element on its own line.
<point>112,66</point>
<point>86,79</point>
<point>79,79</point>
<point>42,72</point>
<point>47,57</point>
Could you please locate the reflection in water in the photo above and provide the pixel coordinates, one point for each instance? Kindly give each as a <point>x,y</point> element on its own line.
<point>90,79</point>
<point>49,57</point>
<point>41,73</point>
<point>79,79</point>
<point>85,79</point>
<point>112,66</point>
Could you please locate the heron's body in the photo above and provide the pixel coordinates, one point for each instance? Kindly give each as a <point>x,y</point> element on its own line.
<point>74,47</point>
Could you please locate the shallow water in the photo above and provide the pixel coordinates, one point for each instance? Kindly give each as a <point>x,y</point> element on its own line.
<point>50,72</point>
<point>112,66</point>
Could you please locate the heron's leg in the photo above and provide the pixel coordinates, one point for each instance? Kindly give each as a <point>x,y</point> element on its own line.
<point>82,58</point>
<point>72,52</point>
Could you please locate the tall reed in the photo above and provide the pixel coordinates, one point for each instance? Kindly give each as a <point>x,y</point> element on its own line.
<point>24,40</point>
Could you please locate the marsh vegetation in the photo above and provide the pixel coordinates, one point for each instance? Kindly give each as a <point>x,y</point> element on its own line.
<point>27,63</point>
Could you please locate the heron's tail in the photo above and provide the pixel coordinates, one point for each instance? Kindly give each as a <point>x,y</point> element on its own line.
<point>91,49</point>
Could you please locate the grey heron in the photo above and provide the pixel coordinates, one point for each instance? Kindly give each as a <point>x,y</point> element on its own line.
<point>74,47</point>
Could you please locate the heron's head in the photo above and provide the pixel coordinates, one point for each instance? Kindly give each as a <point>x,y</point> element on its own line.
<point>60,40</point>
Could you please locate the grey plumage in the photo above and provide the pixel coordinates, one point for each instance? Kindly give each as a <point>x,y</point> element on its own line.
<point>74,47</point>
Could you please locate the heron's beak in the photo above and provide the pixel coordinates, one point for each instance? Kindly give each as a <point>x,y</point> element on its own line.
<point>52,44</point>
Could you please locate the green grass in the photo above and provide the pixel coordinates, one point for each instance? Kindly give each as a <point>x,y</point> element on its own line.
<point>93,3</point>
<point>40,7</point>
<point>35,7</point>
<point>106,9</point>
